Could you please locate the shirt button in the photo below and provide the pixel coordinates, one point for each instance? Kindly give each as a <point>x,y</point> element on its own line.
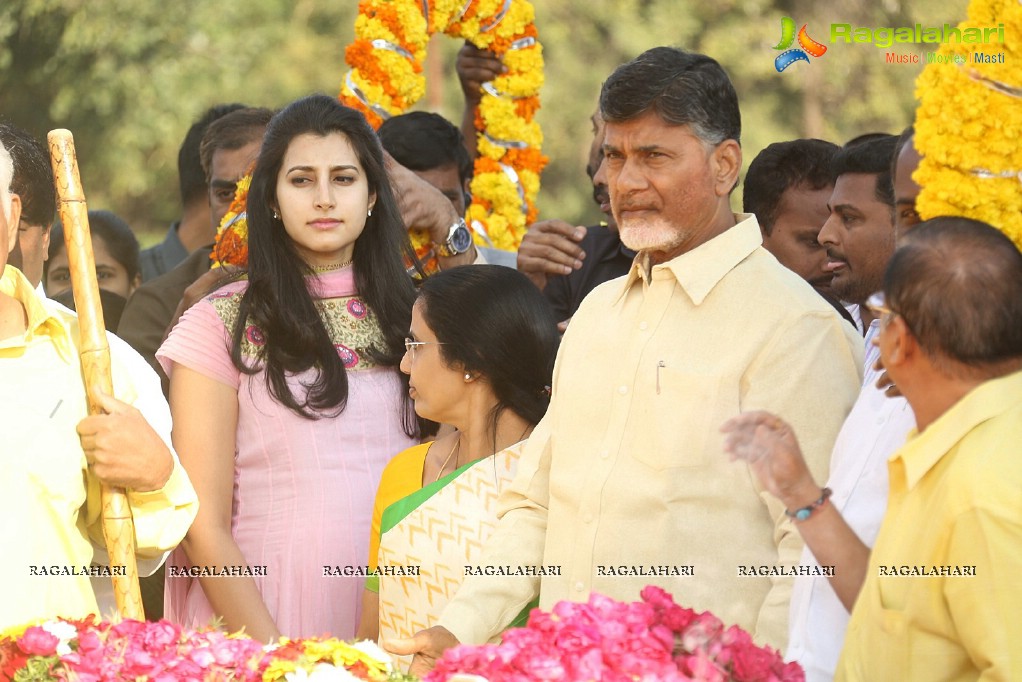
<point>587,518</point>
<point>579,587</point>
<point>605,454</point>
<point>643,326</point>
<point>622,390</point>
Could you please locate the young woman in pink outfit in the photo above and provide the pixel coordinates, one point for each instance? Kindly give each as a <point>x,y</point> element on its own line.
<point>285,389</point>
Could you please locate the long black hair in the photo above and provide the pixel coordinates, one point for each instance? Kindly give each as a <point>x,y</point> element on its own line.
<point>277,299</point>
<point>494,322</point>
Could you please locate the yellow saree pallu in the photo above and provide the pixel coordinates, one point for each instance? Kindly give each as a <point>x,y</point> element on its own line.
<point>429,537</point>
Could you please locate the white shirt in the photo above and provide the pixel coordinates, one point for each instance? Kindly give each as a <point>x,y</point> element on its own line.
<point>875,428</point>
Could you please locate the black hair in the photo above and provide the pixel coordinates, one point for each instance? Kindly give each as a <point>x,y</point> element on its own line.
<point>683,88</point>
<point>422,141</point>
<point>495,323</point>
<point>781,166</point>
<point>871,154</point>
<point>191,177</point>
<point>277,299</point>
<point>957,284</point>
<point>232,131</point>
<point>116,234</point>
<point>903,139</point>
<point>33,175</point>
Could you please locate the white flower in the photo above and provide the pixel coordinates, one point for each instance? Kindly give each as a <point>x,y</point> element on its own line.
<point>321,672</point>
<point>65,632</point>
<point>370,648</point>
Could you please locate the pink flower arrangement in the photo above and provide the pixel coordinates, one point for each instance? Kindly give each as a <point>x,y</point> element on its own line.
<point>603,639</point>
<point>90,651</point>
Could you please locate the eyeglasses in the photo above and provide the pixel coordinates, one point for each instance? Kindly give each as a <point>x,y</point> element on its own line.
<point>877,304</point>
<point>411,344</point>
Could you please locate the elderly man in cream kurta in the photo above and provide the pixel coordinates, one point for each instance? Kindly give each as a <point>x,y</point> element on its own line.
<point>625,483</point>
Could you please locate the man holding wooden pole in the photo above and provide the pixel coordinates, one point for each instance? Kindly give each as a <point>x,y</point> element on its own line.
<point>54,458</point>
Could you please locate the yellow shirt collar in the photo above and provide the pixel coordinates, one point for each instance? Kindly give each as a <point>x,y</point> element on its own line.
<point>699,270</point>
<point>988,400</point>
<point>41,320</point>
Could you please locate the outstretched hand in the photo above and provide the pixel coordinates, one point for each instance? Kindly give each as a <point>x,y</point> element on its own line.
<point>769,446</point>
<point>122,449</point>
<point>427,645</point>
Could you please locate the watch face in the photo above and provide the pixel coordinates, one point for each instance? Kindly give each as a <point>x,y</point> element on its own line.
<point>460,238</point>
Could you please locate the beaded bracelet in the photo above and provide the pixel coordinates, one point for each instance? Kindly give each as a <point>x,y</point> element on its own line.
<point>805,512</point>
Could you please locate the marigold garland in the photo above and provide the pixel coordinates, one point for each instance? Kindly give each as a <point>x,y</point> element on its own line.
<point>969,127</point>
<point>231,246</point>
<point>386,79</point>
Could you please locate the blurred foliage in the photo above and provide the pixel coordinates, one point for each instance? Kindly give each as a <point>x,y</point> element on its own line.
<point>128,77</point>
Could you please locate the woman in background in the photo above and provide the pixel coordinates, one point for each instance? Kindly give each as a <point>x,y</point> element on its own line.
<point>285,389</point>
<point>480,357</point>
<point>117,270</point>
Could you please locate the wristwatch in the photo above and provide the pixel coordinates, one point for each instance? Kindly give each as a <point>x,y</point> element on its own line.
<point>459,240</point>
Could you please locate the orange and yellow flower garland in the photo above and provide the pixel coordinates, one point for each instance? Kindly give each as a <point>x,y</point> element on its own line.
<point>231,245</point>
<point>386,79</point>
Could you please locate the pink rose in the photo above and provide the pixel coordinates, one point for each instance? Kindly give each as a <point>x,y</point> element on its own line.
<point>539,664</point>
<point>38,642</point>
<point>701,666</point>
<point>576,639</point>
<point>586,665</point>
<point>638,655</point>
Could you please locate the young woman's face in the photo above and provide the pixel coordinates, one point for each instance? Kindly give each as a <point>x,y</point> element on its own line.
<point>111,275</point>
<point>437,388</point>
<point>323,197</point>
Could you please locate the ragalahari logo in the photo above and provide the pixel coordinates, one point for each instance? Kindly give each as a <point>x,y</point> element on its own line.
<point>789,57</point>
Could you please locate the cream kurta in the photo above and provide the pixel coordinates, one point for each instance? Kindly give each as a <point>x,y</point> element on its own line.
<point>627,469</point>
<point>49,506</point>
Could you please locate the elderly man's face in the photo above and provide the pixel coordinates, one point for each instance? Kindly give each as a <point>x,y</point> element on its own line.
<point>662,185</point>
<point>858,236</point>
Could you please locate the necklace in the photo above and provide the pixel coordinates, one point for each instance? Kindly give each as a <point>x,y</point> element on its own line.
<point>332,266</point>
<point>457,443</point>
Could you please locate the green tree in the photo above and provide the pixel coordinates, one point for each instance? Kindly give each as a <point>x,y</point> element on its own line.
<point>129,76</point>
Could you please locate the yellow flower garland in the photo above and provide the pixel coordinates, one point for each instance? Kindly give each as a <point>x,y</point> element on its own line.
<point>969,127</point>
<point>386,79</point>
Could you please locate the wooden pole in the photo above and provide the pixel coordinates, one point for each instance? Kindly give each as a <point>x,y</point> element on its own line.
<point>118,526</point>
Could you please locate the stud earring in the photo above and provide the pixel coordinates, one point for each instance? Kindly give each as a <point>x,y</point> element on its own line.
<point>468,377</point>
<point>276,216</point>
<point>370,213</point>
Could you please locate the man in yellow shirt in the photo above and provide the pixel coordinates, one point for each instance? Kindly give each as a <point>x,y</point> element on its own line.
<point>54,457</point>
<point>941,600</point>
<point>624,482</point>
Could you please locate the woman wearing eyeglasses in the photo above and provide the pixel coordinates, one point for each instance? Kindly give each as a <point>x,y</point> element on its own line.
<point>479,356</point>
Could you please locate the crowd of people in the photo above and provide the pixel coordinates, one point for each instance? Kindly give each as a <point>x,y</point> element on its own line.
<point>804,417</point>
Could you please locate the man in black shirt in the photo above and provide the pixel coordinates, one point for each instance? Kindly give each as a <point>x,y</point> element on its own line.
<point>566,261</point>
